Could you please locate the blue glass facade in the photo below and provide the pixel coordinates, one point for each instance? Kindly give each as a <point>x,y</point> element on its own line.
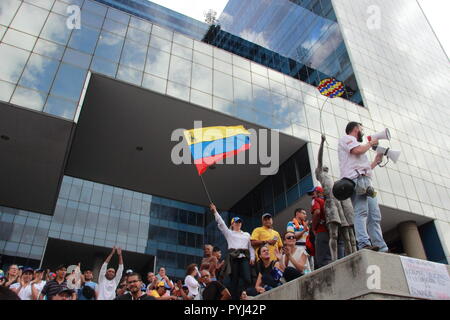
<point>303,39</point>
<point>161,16</point>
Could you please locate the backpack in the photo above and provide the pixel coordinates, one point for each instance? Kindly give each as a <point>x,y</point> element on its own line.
<point>310,245</point>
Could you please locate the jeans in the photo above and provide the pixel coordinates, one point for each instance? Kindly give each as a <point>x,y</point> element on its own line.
<point>240,269</point>
<point>367,218</point>
<point>323,255</point>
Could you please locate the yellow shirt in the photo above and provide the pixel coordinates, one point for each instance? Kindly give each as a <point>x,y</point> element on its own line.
<point>265,234</point>
<point>155,294</point>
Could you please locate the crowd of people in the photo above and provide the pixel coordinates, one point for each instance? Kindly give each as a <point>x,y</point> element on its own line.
<point>254,263</point>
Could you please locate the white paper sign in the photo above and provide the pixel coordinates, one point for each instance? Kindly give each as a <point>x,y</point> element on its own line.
<point>428,280</point>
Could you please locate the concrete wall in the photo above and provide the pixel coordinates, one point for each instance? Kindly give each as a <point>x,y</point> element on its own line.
<point>347,279</point>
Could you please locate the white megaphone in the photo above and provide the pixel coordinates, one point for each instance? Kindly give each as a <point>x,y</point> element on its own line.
<point>391,154</point>
<point>382,135</point>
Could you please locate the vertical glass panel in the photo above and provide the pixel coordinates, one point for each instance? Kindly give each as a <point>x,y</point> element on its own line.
<point>77,58</point>
<point>130,75</point>
<point>222,55</point>
<point>183,40</point>
<point>84,39</point>
<point>223,85</point>
<point>114,27</point>
<point>178,91</point>
<point>69,82</point>
<point>6,90</point>
<point>90,19</point>
<point>242,74</point>
<point>162,33</point>
<point>29,19</point>
<point>140,24</point>
<point>242,93</point>
<point>29,98</point>
<point>181,51</point>
<point>19,39</point>
<point>160,43</point>
<point>55,29</point>
<point>49,49</point>
<point>103,66</point>
<point>223,66</point>
<point>95,7</point>
<point>261,99</point>
<point>139,36</point>
<point>203,59</point>
<point>157,62</point>
<point>203,47</point>
<point>180,70</point>
<point>154,83</point>
<point>16,58</point>
<point>118,16</point>
<point>133,55</point>
<point>201,98</point>
<point>60,107</point>
<point>8,9</point>
<point>39,73</point>
<point>109,46</point>
<point>202,78</point>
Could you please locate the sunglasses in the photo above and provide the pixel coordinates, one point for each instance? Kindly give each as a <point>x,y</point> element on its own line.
<point>290,237</point>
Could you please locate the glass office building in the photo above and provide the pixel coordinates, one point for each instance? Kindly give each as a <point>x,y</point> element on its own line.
<point>86,116</point>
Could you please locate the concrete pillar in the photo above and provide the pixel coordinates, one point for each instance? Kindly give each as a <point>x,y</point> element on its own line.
<point>412,244</point>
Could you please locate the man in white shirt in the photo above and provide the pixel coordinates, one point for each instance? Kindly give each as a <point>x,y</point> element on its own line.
<point>354,164</point>
<point>108,279</point>
<point>240,252</point>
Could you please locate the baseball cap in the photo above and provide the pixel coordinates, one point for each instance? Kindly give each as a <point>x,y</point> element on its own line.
<point>66,290</point>
<point>318,189</point>
<point>28,269</point>
<point>2,274</point>
<point>236,219</point>
<point>266,215</point>
<point>52,274</point>
<point>61,266</point>
<point>161,284</point>
<point>39,270</point>
<point>128,271</point>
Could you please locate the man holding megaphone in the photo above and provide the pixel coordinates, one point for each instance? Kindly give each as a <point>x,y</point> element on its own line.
<point>356,170</point>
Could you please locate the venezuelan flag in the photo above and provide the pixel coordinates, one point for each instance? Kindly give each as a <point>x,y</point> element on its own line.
<point>211,144</point>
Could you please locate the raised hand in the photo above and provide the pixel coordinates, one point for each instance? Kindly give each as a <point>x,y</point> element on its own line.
<point>212,207</point>
<point>119,251</point>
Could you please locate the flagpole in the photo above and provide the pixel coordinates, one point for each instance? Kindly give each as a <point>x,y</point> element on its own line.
<point>206,190</point>
<point>321,108</point>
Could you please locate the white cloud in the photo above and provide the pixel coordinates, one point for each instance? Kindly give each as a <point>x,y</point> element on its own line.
<point>255,37</point>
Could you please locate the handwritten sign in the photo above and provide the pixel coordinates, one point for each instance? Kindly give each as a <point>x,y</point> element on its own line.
<point>428,280</point>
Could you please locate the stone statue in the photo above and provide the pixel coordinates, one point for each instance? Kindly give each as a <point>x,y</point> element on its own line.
<point>336,215</point>
<point>348,212</point>
<point>331,210</point>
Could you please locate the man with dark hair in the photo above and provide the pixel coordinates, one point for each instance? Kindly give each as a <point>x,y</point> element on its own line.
<point>53,287</point>
<point>108,280</point>
<point>299,226</point>
<point>88,287</point>
<point>134,282</point>
<point>214,290</point>
<point>7,294</point>
<point>354,165</point>
<point>220,264</point>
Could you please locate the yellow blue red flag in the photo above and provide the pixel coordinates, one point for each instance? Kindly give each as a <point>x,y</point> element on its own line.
<point>210,144</point>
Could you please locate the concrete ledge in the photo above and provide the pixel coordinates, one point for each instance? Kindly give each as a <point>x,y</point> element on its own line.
<point>347,279</point>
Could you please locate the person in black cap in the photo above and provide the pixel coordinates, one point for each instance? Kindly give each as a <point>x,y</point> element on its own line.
<point>265,235</point>
<point>65,294</point>
<point>53,287</point>
<point>23,288</point>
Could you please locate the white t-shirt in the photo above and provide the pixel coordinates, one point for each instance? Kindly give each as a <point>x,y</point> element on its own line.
<point>107,288</point>
<point>235,239</point>
<point>351,164</point>
<point>39,286</point>
<point>24,293</point>
<point>192,285</point>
